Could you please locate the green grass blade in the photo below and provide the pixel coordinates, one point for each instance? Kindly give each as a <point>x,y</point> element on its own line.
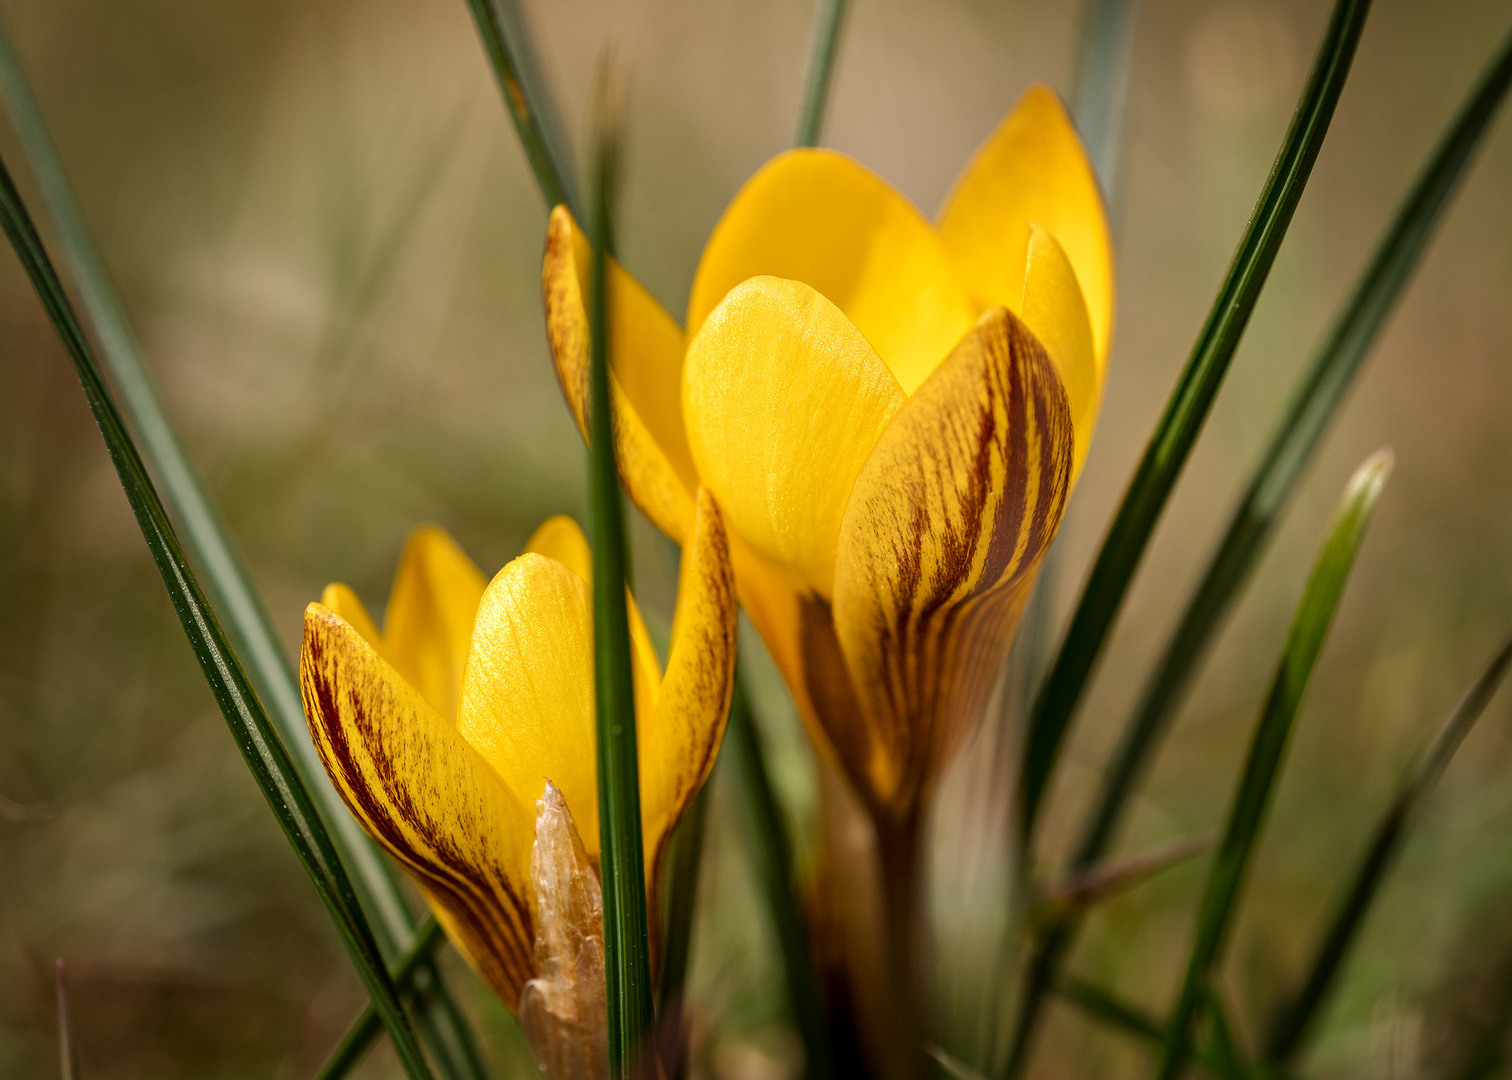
<point>1317,397</point>
<point>513,59</point>
<point>1226,1056</point>
<point>1293,1022</point>
<point>265,755</point>
<point>67,1068</point>
<point>364,1030</point>
<point>1263,765</point>
<point>1102,82</point>
<point>684,861</point>
<point>627,948</point>
<point>207,535</point>
<point>773,865</point>
<point>824,45</point>
<point>1187,407</point>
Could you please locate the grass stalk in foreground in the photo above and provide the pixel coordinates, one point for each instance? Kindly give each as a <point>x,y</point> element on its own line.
<point>364,1030</point>
<point>1294,1021</point>
<point>255,736</point>
<point>773,870</point>
<point>1316,399</point>
<point>502,29</point>
<point>1186,408</point>
<point>824,46</point>
<point>1263,765</point>
<point>627,948</point>
<point>1102,83</point>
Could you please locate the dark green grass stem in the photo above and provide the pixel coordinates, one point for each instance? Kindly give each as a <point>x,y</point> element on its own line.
<point>819,76</point>
<point>1226,1056</point>
<point>680,897</point>
<point>1187,408</point>
<point>627,949</point>
<point>205,531</point>
<point>512,58</point>
<point>1262,767</point>
<point>1295,1020</point>
<point>364,1030</point>
<point>1316,399</point>
<point>255,736</point>
<point>773,865</point>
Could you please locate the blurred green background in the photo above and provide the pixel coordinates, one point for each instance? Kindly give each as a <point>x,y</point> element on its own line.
<point>329,242</point>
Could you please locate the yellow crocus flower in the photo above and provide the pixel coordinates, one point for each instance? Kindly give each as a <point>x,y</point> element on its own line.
<point>890,413</point>
<point>475,702</point>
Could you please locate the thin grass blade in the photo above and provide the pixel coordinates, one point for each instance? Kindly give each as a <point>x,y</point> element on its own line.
<point>1315,400</point>
<point>1187,407</point>
<point>773,865</point>
<point>208,537</point>
<point>1293,1022</point>
<point>824,46</point>
<point>502,29</point>
<point>364,1030</point>
<point>627,947</point>
<point>265,755</point>
<point>684,861</point>
<point>1102,82</point>
<point>68,1068</point>
<point>1226,1056</point>
<point>1078,892</point>
<point>1263,766</point>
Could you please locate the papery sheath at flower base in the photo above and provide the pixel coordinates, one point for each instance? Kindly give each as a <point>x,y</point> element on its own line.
<point>473,705</point>
<point>891,415</point>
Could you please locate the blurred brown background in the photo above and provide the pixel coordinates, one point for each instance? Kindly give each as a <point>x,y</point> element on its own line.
<point>329,242</point>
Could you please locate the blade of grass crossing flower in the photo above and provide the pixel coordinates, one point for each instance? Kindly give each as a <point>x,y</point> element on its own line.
<point>1293,1022</point>
<point>1187,407</point>
<point>1263,765</point>
<point>824,46</point>
<point>67,1068</point>
<point>627,951</point>
<point>207,535</point>
<point>502,29</point>
<point>364,1030</point>
<point>773,866</point>
<point>1102,82</point>
<point>1317,397</point>
<point>265,755</point>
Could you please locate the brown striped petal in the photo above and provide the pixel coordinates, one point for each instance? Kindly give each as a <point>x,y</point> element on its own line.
<point>678,745</point>
<point>646,357</point>
<point>425,795</point>
<point>940,544</point>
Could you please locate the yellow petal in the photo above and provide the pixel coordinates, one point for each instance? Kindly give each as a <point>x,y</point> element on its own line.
<point>423,793</point>
<point>646,355</point>
<point>784,399</point>
<point>941,541</point>
<point>1054,310</point>
<point>818,217</point>
<point>527,696</point>
<point>347,604</point>
<point>1031,171</point>
<point>560,538</point>
<point>677,747</point>
<point>428,625</point>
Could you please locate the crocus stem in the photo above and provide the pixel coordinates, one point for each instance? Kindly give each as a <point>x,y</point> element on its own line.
<point>902,883</point>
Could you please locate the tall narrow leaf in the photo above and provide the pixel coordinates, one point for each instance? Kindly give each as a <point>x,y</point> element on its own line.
<point>681,891</point>
<point>265,755</point>
<point>1293,1021</point>
<point>1263,765</point>
<point>513,60</point>
<point>773,865</point>
<point>627,950</point>
<point>1187,407</point>
<point>1316,399</point>
<point>1102,82</point>
<point>824,46</point>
